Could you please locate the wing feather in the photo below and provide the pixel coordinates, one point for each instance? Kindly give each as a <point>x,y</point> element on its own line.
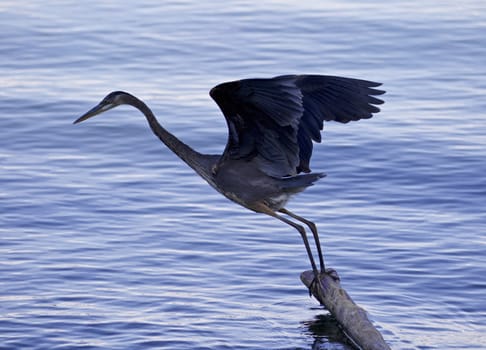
<point>275,121</point>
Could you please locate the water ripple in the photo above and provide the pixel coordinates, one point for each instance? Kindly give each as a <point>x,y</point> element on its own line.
<point>109,241</point>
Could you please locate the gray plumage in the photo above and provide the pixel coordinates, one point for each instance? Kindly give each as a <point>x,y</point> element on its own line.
<point>272,124</point>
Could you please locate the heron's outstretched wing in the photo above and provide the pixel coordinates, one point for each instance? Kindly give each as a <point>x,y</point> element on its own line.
<point>274,121</point>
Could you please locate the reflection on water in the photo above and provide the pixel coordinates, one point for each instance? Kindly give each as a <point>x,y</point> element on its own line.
<point>326,333</point>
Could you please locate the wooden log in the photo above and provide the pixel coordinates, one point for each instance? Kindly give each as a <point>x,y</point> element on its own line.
<point>352,318</point>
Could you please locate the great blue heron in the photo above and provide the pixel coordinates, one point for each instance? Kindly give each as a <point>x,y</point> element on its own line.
<point>272,124</point>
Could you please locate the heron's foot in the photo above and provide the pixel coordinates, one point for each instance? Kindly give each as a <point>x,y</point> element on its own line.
<point>316,283</point>
<point>333,273</point>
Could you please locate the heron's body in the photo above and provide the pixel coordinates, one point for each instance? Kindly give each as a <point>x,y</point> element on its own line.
<point>235,177</point>
<point>272,125</point>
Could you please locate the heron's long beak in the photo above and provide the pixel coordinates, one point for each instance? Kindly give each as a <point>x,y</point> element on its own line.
<point>100,108</point>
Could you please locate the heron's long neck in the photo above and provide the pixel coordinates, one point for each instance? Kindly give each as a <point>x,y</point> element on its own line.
<point>186,153</point>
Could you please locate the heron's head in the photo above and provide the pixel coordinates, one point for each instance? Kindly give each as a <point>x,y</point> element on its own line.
<point>111,100</point>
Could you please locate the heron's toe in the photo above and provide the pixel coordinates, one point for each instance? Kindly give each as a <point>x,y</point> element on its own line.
<point>333,273</point>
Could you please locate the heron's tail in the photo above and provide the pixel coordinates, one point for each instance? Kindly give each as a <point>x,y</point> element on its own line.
<point>298,183</point>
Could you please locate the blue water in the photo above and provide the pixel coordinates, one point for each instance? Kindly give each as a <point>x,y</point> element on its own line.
<point>108,241</point>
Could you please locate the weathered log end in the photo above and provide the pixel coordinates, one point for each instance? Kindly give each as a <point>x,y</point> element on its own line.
<point>352,318</point>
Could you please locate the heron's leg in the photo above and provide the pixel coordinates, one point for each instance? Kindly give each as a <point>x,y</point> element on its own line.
<point>316,282</point>
<point>313,229</point>
<point>263,208</point>
<point>302,233</point>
